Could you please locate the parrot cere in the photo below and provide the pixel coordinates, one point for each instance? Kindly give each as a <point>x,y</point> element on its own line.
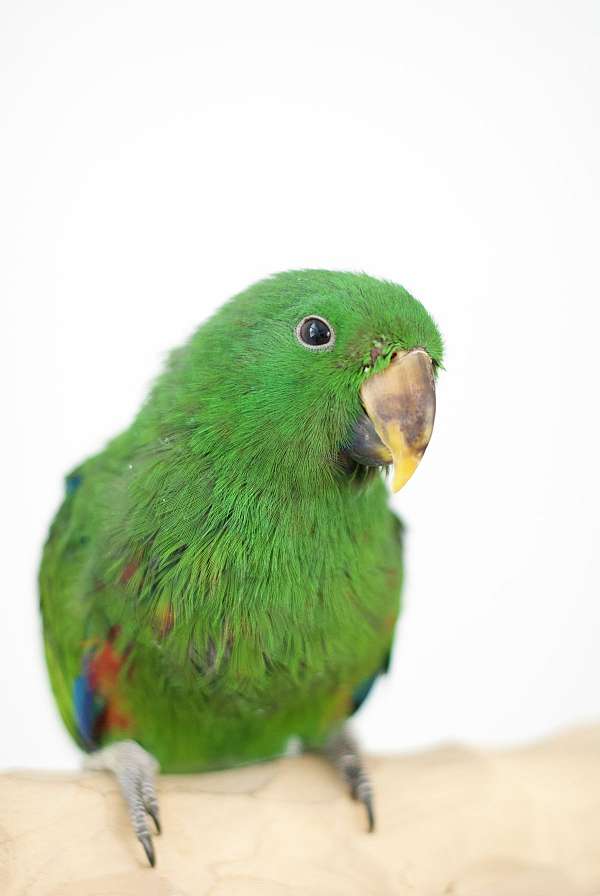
<point>225,575</point>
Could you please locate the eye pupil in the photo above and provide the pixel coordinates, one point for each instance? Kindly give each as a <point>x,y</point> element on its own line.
<point>315,332</point>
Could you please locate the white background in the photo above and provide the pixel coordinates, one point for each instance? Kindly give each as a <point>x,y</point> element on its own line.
<point>158,157</point>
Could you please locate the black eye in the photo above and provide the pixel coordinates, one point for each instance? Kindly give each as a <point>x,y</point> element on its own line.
<point>315,333</point>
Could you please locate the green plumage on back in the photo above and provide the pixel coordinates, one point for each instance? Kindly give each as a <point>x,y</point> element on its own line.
<point>226,574</point>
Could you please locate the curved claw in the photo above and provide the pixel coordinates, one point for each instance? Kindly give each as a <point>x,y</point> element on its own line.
<point>153,813</point>
<point>146,841</point>
<point>367,802</point>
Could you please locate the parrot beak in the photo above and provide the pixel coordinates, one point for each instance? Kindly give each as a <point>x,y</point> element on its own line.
<point>400,404</point>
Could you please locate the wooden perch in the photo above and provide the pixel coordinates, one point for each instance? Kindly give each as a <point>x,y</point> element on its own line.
<point>450,822</point>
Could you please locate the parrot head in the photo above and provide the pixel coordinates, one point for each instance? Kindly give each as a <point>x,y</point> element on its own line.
<point>325,371</point>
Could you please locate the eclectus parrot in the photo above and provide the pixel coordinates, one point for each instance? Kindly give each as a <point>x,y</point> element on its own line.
<point>225,575</point>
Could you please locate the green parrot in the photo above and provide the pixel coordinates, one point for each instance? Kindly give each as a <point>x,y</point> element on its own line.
<point>225,576</point>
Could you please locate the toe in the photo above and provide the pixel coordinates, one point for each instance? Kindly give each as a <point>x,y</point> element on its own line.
<point>153,813</point>
<point>148,795</point>
<point>364,794</point>
<point>368,804</point>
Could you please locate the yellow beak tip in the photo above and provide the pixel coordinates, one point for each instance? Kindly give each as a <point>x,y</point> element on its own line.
<point>404,468</point>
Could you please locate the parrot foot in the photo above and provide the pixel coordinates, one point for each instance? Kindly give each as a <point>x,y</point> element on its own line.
<point>342,751</point>
<point>134,769</point>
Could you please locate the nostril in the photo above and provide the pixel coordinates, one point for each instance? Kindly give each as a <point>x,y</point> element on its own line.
<point>393,356</point>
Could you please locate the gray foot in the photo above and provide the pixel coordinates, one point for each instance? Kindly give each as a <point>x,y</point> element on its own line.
<point>134,769</point>
<point>342,750</point>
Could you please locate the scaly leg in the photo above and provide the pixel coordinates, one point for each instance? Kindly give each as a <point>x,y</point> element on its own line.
<point>134,769</point>
<point>341,749</point>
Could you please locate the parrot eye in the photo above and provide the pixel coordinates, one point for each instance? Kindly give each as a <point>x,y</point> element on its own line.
<point>315,333</point>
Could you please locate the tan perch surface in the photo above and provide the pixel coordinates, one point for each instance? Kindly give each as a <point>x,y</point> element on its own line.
<point>451,822</point>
